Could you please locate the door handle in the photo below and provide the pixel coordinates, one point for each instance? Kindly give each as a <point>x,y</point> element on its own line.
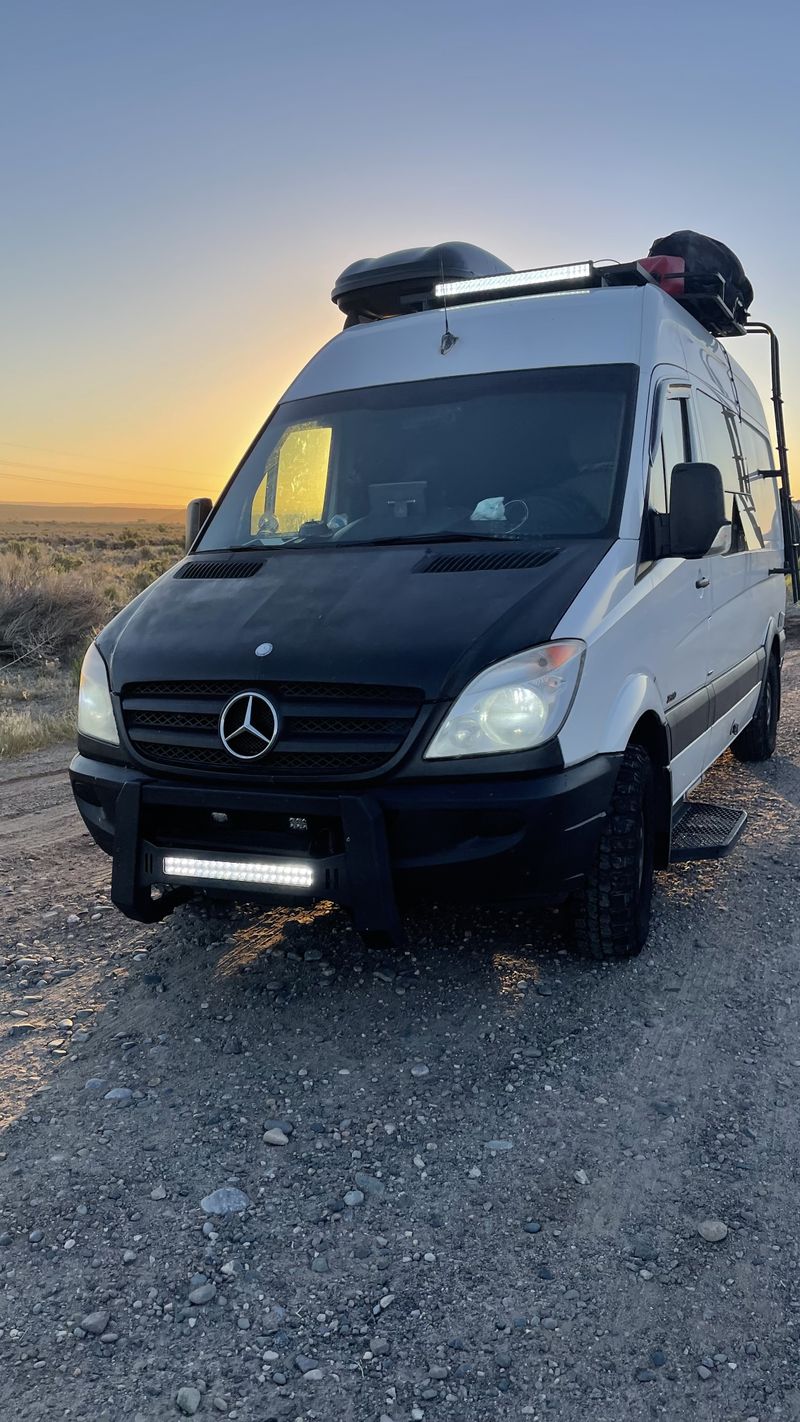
<point>702,583</point>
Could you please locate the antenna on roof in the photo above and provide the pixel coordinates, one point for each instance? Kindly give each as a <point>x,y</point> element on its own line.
<point>448,339</point>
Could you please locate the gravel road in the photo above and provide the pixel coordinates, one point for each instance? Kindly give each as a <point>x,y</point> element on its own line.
<point>472,1172</point>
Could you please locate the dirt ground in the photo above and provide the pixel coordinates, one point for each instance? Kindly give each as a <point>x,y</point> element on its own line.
<point>489,1165</point>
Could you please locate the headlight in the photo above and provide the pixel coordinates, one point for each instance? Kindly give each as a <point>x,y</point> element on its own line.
<point>95,712</point>
<point>517,704</point>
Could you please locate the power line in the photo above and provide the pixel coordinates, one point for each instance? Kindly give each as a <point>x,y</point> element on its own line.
<point>101,459</point>
<point>102,488</point>
<point>79,473</point>
<point>130,508</point>
<point>67,476</point>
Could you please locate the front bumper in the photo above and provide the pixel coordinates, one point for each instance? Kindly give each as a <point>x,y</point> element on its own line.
<point>507,839</point>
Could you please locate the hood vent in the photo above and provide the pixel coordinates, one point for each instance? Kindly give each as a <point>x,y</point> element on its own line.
<point>489,562</point>
<point>220,569</point>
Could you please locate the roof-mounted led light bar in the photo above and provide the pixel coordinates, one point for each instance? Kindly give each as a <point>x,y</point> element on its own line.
<point>557,278</point>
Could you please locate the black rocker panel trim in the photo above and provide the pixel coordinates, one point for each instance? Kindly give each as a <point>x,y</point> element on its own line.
<point>689,720</point>
<point>729,689</point>
<point>693,716</point>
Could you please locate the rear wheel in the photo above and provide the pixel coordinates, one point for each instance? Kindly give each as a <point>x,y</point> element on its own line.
<point>611,913</point>
<point>757,741</point>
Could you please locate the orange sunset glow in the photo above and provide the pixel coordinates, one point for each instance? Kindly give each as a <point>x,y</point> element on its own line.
<point>187,182</point>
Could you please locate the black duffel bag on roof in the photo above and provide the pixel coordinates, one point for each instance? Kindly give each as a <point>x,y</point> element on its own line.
<point>706,257</point>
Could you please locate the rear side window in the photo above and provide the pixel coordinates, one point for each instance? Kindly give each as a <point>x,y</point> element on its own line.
<point>757,452</point>
<point>721,447</point>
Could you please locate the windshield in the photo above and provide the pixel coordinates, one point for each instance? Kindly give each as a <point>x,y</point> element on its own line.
<point>515,454</point>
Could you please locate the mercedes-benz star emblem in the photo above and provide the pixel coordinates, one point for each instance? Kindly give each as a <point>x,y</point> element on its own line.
<point>248,725</point>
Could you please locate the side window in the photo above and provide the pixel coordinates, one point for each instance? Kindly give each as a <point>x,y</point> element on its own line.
<point>292,491</point>
<point>721,447</point>
<point>674,445</point>
<point>757,453</point>
<point>672,449</point>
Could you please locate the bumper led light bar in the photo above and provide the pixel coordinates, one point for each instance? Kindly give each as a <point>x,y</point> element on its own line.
<point>288,874</point>
<point>514,281</point>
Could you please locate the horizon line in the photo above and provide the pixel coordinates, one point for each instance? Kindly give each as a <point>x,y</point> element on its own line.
<point>56,504</point>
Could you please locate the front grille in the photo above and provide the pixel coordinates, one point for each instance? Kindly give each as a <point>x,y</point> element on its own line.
<point>174,720</point>
<point>305,763</point>
<point>286,690</point>
<point>326,729</point>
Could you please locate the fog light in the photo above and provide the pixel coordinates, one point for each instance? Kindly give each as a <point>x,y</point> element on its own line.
<point>285,874</point>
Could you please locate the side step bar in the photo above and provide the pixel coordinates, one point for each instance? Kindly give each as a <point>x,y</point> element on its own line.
<point>702,831</point>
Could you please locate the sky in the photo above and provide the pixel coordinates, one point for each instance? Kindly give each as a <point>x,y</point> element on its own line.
<point>182,181</point>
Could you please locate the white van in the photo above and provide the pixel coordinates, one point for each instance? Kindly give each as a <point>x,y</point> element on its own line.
<point>496,583</point>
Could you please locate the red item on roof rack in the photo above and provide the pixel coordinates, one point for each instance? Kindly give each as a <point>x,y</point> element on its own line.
<point>670,272</point>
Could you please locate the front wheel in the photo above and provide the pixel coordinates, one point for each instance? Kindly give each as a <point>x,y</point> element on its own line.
<point>611,913</point>
<point>757,741</point>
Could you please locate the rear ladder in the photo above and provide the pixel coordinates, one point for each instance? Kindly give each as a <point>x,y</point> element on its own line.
<point>789,518</point>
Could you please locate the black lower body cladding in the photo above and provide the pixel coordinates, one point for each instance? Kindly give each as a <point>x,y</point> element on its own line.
<point>505,839</point>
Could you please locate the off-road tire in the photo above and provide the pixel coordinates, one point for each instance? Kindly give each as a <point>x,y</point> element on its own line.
<point>757,741</point>
<point>611,913</point>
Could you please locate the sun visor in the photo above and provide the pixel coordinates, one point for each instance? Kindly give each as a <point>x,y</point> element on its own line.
<point>402,282</point>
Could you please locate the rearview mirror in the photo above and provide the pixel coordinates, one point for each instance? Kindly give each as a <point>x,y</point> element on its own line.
<point>196,515</point>
<point>696,509</point>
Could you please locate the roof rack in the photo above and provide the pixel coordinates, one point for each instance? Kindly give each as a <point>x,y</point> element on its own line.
<point>458,273</point>
<point>702,296</point>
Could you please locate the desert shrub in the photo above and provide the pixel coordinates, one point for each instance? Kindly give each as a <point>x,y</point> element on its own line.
<point>148,572</point>
<point>58,586</point>
<point>46,613</point>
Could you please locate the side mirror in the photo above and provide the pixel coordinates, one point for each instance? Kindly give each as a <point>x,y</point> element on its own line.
<point>696,509</point>
<point>196,515</point>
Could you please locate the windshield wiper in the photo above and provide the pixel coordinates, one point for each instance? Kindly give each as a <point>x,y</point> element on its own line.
<point>446,537</point>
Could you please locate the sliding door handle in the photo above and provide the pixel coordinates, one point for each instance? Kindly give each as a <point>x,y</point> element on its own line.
<point>702,583</point>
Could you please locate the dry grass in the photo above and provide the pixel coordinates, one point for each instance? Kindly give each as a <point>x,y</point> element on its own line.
<point>45,612</point>
<point>33,729</point>
<point>58,586</point>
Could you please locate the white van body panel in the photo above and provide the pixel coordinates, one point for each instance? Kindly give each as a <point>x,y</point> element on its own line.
<point>647,648</point>
<point>655,640</point>
<point>656,636</point>
<point>599,327</point>
<point>744,595</point>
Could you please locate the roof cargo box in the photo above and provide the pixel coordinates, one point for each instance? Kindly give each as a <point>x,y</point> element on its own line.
<point>402,282</point>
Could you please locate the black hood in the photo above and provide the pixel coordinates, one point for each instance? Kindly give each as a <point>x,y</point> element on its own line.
<point>378,615</point>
